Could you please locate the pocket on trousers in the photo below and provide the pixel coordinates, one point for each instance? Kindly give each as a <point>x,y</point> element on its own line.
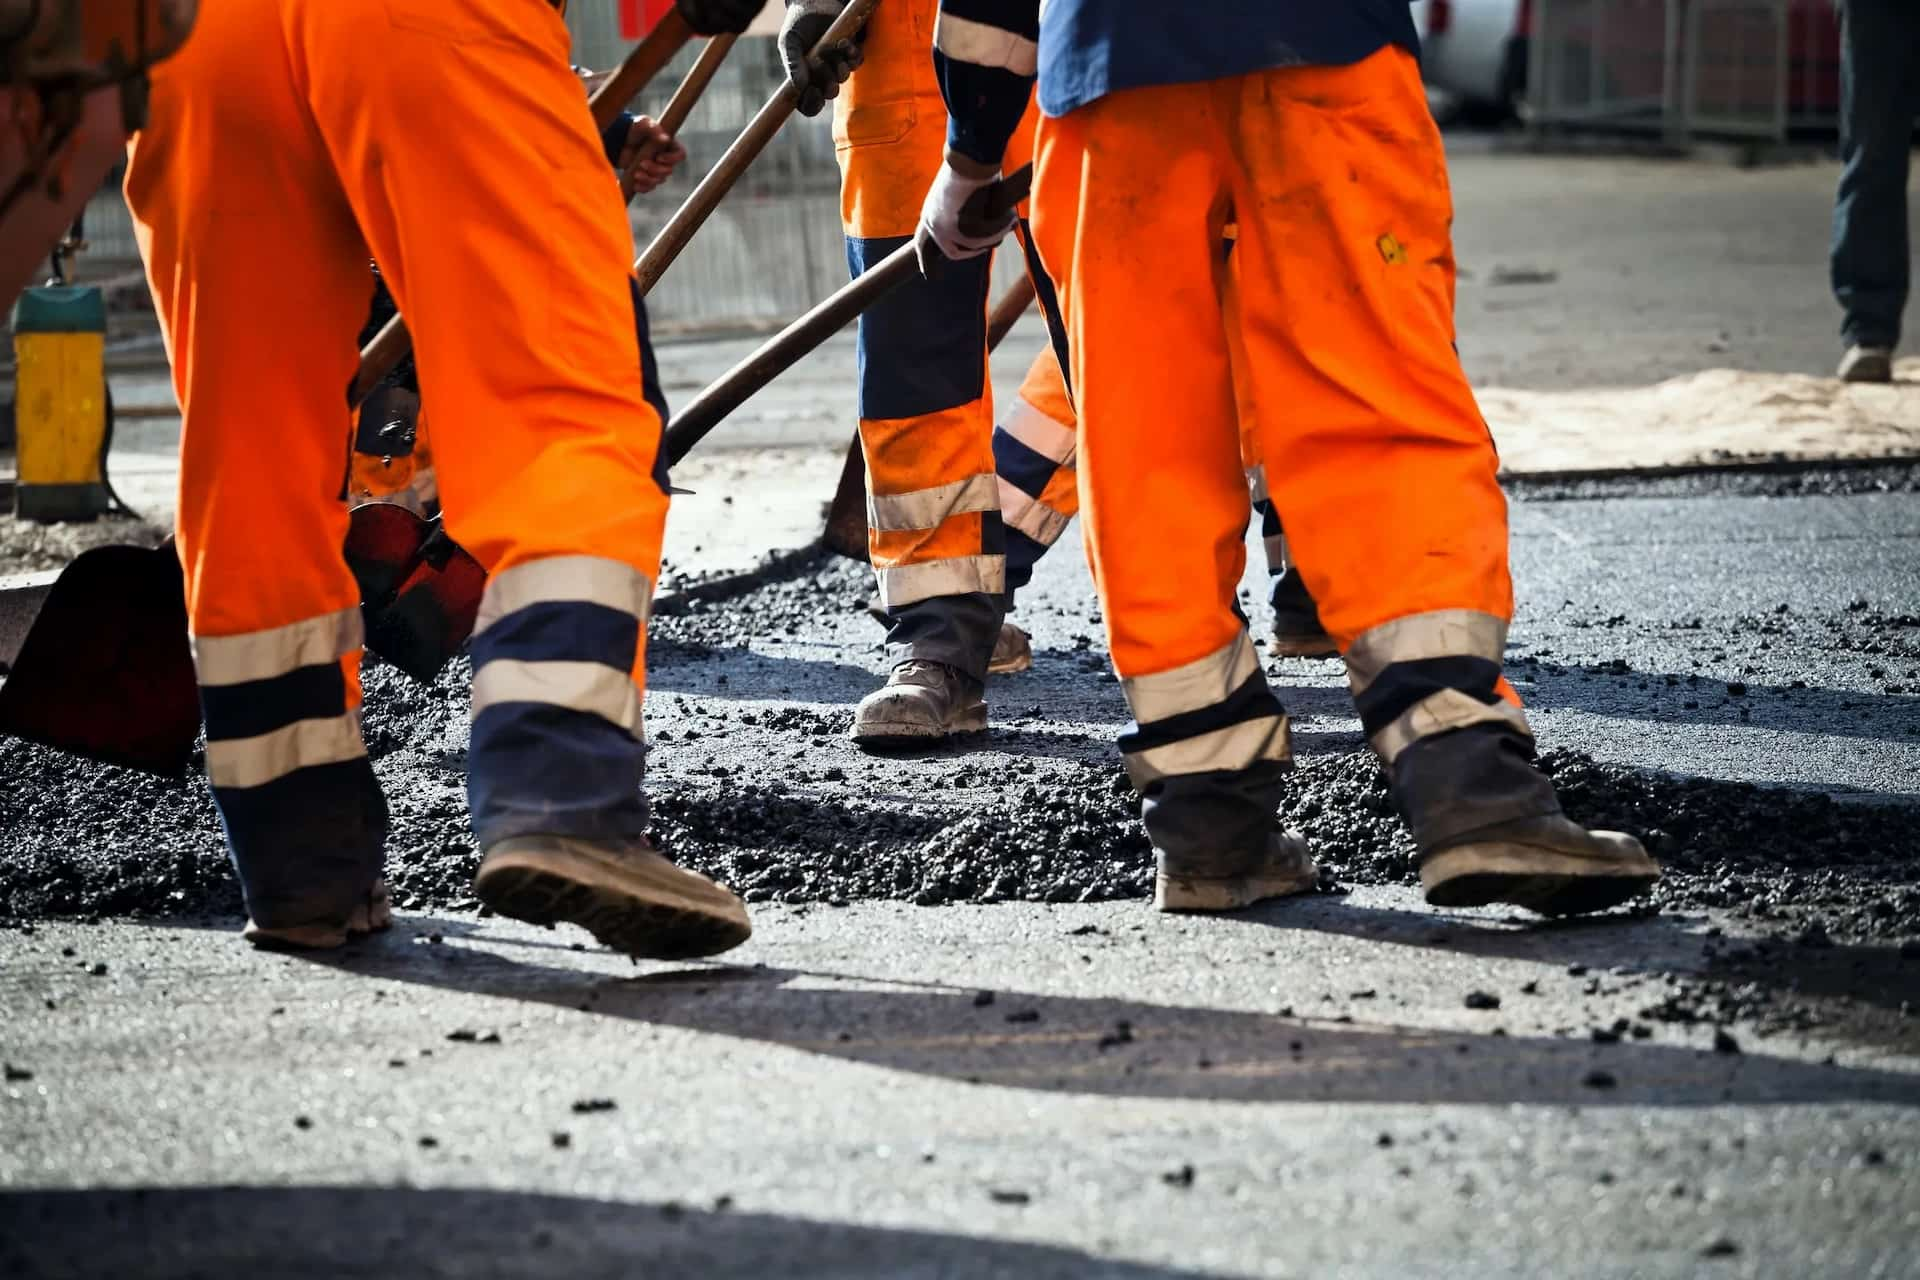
<point>874,124</point>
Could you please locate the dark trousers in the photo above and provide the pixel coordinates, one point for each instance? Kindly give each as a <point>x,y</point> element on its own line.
<point>1879,98</point>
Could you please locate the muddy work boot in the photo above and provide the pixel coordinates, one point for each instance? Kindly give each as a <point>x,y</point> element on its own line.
<point>1488,827</point>
<point>1864,363</point>
<point>921,703</point>
<point>374,914</point>
<point>1297,632</point>
<point>1012,652</point>
<point>1548,864</point>
<point>1200,882</point>
<point>622,892</point>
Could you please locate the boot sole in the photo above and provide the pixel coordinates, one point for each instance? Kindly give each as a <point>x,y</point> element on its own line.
<point>637,912</point>
<point>908,733</point>
<point>1186,893</point>
<point>1304,646</point>
<point>1541,880</point>
<point>373,916</point>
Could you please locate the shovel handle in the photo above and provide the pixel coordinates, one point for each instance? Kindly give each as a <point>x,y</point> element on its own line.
<point>637,70</point>
<point>389,347</point>
<point>706,196</point>
<point>781,352</point>
<point>1006,313</point>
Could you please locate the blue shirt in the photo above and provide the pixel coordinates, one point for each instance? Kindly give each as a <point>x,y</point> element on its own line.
<point>988,52</point>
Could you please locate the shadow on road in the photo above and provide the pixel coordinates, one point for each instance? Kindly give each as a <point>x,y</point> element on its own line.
<point>168,1233</point>
<point>1660,698</point>
<point>1129,1048</point>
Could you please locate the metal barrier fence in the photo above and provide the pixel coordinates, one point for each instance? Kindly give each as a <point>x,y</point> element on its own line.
<point>1680,69</point>
<point>771,249</point>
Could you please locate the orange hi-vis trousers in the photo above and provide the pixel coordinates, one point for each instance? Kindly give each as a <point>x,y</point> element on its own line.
<point>1035,438</point>
<point>1337,181</point>
<point>289,141</point>
<point>926,406</point>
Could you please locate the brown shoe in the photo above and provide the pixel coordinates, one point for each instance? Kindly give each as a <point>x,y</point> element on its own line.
<point>373,915</point>
<point>920,704</point>
<point>1205,884</point>
<point>1547,864</point>
<point>623,893</point>
<point>1012,652</point>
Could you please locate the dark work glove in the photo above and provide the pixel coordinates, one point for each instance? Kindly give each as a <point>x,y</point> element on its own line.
<point>816,80</point>
<point>718,17</point>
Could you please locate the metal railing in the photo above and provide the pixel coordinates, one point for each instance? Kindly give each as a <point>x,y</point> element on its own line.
<point>1683,69</point>
<point>773,247</point>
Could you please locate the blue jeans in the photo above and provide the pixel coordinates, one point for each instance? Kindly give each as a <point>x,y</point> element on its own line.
<point>1879,97</point>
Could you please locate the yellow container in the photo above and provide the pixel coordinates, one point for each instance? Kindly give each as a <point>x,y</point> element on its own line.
<point>60,403</point>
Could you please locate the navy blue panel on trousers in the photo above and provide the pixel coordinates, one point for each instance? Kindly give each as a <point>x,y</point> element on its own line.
<point>538,769</point>
<point>1253,700</point>
<point>923,347</point>
<point>1023,553</point>
<point>254,707</point>
<point>308,845</point>
<point>1402,684</point>
<point>562,631</point>
<point>1021,467</point>
<point>650,378</point>
<point>1049,300</point>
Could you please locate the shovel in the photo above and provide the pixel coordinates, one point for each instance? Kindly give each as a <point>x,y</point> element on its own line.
<point>846,531</point>
<point>785,349</point>
<point>95,660</point>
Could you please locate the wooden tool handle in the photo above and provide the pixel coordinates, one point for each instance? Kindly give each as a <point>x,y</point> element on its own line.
<point>389,347</point>
<point>1006,313</point>
<point>706,196</point>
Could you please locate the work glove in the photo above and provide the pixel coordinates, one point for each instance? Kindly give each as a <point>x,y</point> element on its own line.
<point>719,17</point>
<point>647,157</point>
<point>955,220</point>
<point>816,80</point>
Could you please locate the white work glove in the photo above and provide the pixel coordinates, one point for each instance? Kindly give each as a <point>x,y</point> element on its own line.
<point>955,219</point>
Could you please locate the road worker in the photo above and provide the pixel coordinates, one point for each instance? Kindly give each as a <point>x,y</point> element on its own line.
<point>1307,125</point>
<point>392,451</point>
<point>959,512</point>
<point>288,143</point>
<point>925,405</point>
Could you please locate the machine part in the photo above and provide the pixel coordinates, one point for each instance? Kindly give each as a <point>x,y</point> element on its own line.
<point>390,346</point>
<point>62,415</point>
<point>419,591</point>
<point>73,85</point>
<point>846,531</point>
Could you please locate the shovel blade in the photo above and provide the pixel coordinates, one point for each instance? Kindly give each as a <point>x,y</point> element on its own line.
<point>105,670</point>
<point>419,590</point>
<point>846,531</point>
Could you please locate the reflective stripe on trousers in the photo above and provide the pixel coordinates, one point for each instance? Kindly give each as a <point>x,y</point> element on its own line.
<point>280,700</point>
<point>1428,673</point>
<point>557,685</point>
<point>1213,715</point>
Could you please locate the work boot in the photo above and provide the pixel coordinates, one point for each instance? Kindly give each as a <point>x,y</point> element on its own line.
<point>1012,652</point>
<point>921,702</point>
<point>374,914</point>
<point>622,892</point>
<point>1864,363</point>
<point>1226,882</point>
<point>1297,632</point>
<point>1547,864</point>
